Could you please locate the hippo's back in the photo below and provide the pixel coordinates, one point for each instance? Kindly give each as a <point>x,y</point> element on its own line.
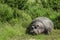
<point>48,24</point>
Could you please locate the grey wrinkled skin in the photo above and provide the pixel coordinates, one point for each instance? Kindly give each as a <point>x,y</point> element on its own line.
<point>40,25</point>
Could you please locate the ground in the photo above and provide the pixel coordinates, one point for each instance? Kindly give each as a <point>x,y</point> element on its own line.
<point>8,32</point>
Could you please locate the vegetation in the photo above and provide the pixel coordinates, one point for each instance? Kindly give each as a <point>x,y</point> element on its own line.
<point>16,15</point>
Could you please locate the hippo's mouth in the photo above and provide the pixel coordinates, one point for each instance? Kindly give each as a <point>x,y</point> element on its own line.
<point>33,33</point>
<point>36,31</point>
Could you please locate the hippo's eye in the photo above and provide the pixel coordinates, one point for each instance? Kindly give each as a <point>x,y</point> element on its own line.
<point>37,25</point>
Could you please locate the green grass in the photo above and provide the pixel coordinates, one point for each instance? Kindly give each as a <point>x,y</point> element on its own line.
<point>17,32</point>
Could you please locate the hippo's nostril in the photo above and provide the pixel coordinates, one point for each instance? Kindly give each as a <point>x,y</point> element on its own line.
<point>35,27</point>
<point>32,28</point>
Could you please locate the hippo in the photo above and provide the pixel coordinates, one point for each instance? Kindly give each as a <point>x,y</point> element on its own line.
<point>40,25</point>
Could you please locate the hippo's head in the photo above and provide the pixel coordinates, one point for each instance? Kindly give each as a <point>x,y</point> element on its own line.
<point>36,28</point>
<point>40,25</point>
